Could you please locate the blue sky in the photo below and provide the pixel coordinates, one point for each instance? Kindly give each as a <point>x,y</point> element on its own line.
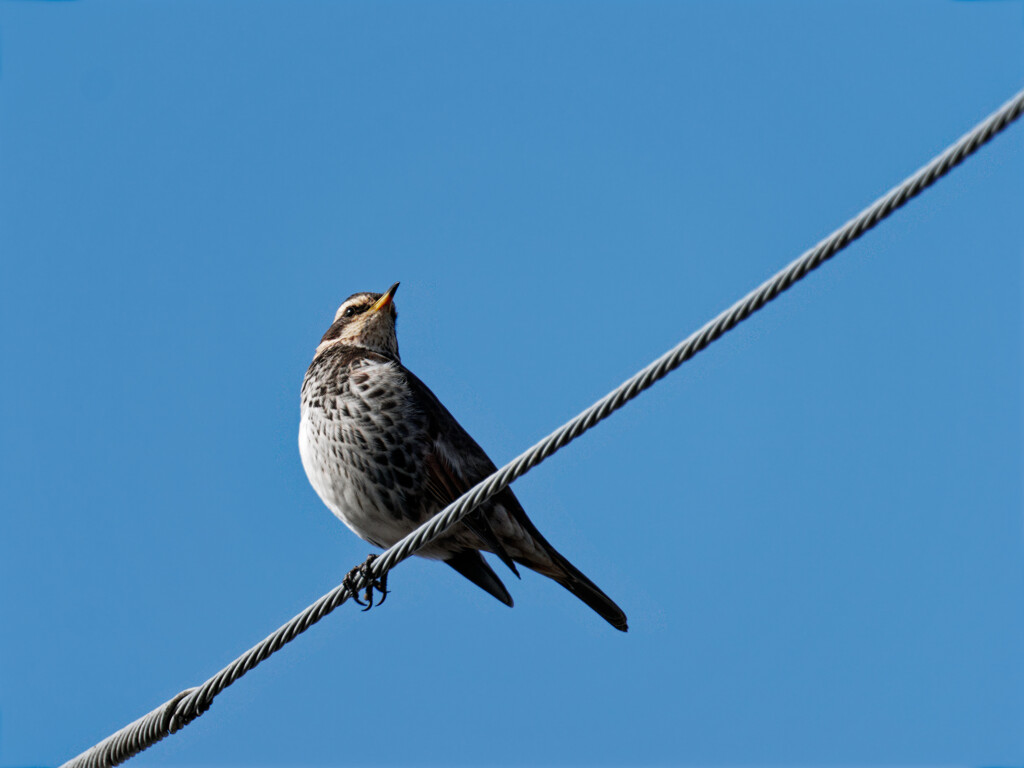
<point>814,527</point>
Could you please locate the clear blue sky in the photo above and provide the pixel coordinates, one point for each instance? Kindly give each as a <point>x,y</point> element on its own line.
<point>815,527</point>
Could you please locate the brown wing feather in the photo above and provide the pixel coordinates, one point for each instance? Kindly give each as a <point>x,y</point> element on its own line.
<point>446,483</point>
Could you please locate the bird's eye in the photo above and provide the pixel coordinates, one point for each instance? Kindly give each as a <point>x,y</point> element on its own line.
<point>352,311</point>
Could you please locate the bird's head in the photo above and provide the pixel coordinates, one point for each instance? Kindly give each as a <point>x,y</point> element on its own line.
<point>365,320</point>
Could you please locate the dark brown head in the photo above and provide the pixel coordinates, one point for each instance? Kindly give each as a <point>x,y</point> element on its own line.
<point>365,320</point>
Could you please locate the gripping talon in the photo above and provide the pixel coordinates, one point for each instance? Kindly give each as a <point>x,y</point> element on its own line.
<point>364,572</point>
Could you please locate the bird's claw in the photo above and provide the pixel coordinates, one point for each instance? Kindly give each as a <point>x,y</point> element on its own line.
<point>364,573</point>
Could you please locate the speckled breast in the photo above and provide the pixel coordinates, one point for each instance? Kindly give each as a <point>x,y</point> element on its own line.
<point>361,441</point>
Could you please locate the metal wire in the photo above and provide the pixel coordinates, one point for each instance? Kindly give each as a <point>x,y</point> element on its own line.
<point>191,703</point>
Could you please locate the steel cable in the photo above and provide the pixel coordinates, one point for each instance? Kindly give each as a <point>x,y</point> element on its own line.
<point>191,703</point>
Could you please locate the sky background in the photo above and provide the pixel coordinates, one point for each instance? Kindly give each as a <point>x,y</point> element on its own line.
<point>814,527</point>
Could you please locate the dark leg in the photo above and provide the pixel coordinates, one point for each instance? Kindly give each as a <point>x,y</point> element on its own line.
<point>364,573</point>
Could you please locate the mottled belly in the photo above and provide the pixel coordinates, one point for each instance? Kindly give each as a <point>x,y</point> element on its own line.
<point>357,485</point>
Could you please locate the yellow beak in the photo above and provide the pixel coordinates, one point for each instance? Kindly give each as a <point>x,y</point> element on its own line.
<point>384,300</point>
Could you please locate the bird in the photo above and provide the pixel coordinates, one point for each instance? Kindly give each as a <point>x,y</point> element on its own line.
<point>384,455</point>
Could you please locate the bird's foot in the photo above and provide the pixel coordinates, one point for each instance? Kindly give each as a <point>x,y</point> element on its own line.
<point>364,573</point>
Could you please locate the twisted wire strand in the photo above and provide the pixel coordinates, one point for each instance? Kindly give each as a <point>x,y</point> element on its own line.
<point>192,702</point>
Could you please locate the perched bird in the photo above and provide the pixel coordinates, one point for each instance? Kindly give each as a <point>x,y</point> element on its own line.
<point>384,455</point>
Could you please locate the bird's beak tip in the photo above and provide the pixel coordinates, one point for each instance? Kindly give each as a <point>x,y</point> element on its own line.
<point>385,300</point>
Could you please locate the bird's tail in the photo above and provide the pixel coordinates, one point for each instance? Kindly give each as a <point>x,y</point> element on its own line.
<point>570,577</point>
<point>547,562</point>
<point>472,565</point>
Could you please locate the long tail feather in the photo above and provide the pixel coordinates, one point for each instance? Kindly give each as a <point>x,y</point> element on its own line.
<point>472,565</point>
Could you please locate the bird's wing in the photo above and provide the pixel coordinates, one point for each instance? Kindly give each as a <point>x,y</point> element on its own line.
<point>454,464</point>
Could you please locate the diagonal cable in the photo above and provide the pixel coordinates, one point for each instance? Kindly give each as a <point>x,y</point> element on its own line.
<point>192,702</point>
